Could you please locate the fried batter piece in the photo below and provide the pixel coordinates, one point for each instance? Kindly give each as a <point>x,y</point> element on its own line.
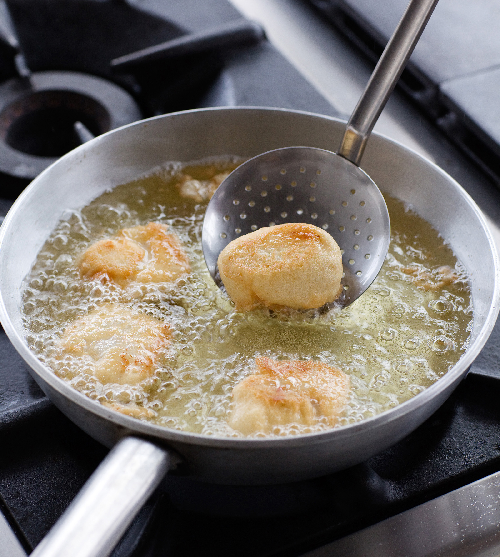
<point>132,410</point>
<point>293,265</point>
<point>431,280</point>
<point>200,190</point>
<point>123,345</point>
<point>139,254</point>
<point>288,392</point>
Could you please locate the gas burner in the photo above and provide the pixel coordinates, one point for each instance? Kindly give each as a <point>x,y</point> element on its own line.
<point>41,117</point>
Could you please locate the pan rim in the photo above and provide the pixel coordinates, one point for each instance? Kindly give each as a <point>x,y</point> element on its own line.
<point>165,435</point>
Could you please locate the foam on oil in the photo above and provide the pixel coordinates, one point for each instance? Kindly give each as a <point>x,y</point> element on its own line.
<point>394,341</point>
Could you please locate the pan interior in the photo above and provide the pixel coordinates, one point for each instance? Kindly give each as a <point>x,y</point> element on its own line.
<point>121,156</point>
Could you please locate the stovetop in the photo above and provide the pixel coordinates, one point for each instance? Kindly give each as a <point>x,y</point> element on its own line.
<point>453,74</point>
<point>45,459</point>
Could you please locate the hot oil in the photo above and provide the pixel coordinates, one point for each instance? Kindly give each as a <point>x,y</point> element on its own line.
<point>394,341</point>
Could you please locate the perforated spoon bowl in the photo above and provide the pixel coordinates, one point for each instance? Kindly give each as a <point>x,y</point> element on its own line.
<point>329,190</point>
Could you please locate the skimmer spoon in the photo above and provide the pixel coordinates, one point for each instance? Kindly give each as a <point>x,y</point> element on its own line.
<point>329,190</point>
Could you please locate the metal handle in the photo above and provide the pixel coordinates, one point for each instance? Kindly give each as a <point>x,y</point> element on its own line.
<point>241,32</point>
<point>9,41</point>
<point>384,78</point>
<point>98,517</point>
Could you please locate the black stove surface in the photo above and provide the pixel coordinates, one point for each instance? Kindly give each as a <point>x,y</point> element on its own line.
<point>45,459</point>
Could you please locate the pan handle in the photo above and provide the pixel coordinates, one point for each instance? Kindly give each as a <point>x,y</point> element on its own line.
<point>98,517</point>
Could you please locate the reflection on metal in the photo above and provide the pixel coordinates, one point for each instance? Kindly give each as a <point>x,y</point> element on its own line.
<point>459,524</point>
<point>9,544</point>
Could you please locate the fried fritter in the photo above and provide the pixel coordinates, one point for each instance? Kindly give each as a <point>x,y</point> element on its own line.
<point>131,409</point>
<point>433,280</point>
<point>293,265</point>
<point>140,254</point>
<point>123,345</point>
<point>288,392</point>
<point>200,190</point>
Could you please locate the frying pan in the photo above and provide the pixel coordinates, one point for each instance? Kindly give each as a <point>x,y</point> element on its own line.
<point>143,452</point>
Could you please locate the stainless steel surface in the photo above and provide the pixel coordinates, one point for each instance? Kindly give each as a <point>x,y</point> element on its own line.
<point>124,154</point>
<point>300,184</point>
<point>9,544</point>
<point>237,209</point>
<point>384,78</point>
<point>461,523</point>
<point>98,517</point>
<point>340,73</point>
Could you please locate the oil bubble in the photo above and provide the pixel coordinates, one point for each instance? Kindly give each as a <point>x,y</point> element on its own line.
<point>440,306</point>
<point>412,344</point>
<point>441,344</point>
<point>388,335</point>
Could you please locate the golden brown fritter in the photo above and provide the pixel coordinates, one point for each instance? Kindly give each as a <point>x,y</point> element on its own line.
<point>431,280</point>
<point>293,265</point>
<point>200,190</point>
<point>288,392</point>
<point>140,254</point>
<point>131,409</point>
<point>122,345</point>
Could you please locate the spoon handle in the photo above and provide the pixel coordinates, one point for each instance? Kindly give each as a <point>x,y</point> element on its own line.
<point>384,78</point>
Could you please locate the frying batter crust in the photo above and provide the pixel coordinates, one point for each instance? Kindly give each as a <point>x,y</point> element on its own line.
<point>293,265</point>
<point>288,392</point>
<point>122,345</point>
<point>131,409</point>
<point>140,254</point>
<point>200,190</point>
<point>433,280</point>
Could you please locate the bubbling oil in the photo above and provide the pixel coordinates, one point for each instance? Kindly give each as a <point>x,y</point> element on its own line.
<point>394,341</point>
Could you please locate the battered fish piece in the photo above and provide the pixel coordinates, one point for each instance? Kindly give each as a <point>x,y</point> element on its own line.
<point>293,265</point>
<point>122,345</point>
<point>140,254</point>
<point>433,280</point>
<point>288,392</point>
<point>200,190</point>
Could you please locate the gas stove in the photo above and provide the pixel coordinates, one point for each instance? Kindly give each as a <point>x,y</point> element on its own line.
<point>45,459</point>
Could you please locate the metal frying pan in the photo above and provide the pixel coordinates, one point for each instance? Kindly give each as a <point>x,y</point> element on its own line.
<point>139,459</point>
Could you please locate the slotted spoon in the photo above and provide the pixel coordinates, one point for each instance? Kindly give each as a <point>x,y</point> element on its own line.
<point>329,190</point>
